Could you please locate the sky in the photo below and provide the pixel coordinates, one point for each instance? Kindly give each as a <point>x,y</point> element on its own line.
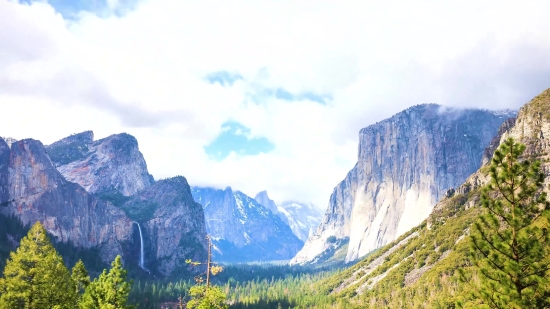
<point>258,94</point>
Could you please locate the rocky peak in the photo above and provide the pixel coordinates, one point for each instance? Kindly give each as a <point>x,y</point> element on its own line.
<point>110,164</point>
<point>265,201</point>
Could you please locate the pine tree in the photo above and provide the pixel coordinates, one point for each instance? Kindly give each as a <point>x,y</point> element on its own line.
<point>80,277</point>
<point>109,291</point>
<point>35,276</point>
<point>510,241</point>
<point>207,296</point>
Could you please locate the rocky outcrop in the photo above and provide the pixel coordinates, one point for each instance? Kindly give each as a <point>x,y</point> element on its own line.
<point>38,192</point>
<point>532,127</point>
<point>405,165</point>
<point>172,223</point>
<point>244,230</point>
<point>110,164</point>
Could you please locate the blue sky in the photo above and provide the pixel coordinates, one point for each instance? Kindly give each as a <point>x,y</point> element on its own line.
<point>259,95</point>
<point>235,137</point>
<point>71,8</point>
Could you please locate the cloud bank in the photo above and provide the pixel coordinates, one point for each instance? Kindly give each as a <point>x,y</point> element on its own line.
<point>303,77</point>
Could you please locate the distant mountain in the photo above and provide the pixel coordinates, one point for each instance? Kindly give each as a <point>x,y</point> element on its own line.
<point>98,197</point>
<point>264,200</point>
<point>405,165</point>
<point>303,218</point>
<point>244,230</point>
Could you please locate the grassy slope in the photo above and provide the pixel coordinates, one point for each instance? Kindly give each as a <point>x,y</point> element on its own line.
<point>422,272</point>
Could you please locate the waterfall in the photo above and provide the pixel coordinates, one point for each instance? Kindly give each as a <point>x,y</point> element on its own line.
<point>141,255</point>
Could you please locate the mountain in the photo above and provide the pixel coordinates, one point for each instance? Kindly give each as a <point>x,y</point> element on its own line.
<point>264,200</point>
<point>112,163</point>
<point>405,165</point>
<point>242,229</point>
<point>301,217</point>
<point>98,198</point>
<point>421,268</point>
<point>33,190</point>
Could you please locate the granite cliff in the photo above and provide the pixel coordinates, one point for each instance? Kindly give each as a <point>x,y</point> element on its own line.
<point>244,230</point>
<point>405,165</point>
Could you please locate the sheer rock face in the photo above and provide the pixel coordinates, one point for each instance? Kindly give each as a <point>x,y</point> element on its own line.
<point>244,230</point>
<point>112,163</point>
<point>36,191</point>
<point>173,225</point>
<point>405,165</point>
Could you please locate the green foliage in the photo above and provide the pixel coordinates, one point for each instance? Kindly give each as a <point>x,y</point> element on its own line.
<point>35,276</point>
<point>203,297</point>
<point>63,154</point>
<point>246,286</point>
<point>511,240</point>
<point>140,210</point>
<point>109,291</point>
<point>113,196</point>
<point>80,277</point>
<point>11,232</point>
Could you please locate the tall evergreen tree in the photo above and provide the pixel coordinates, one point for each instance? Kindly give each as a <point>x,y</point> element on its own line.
<point>109,291</point>
<point>80,277</point>
<point>511,240</point>
<point>35,276</point>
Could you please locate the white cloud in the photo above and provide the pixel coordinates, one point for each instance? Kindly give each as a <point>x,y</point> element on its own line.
<point>143,73</point>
